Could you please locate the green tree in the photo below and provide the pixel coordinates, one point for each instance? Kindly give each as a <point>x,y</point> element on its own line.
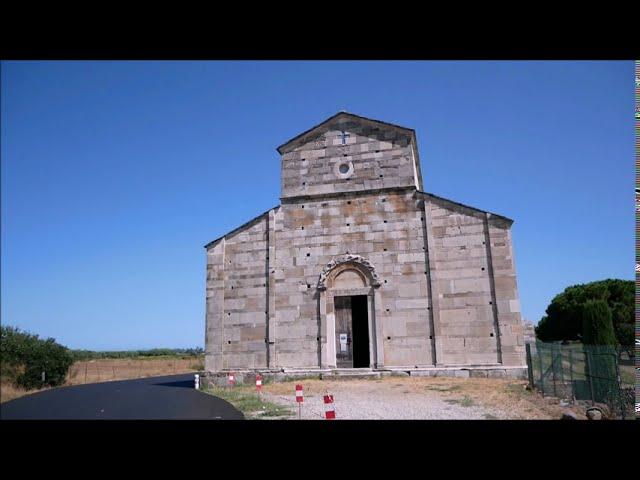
<point>597,326</point>
<point>563,319</point>
<point>600,348</point>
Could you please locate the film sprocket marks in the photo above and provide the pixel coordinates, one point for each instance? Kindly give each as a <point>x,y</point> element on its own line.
<point>637,116</point>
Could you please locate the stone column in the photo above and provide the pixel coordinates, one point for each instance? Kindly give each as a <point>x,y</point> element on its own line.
<point>324,336</point>
<point>330,321</point>
<point>492,284</point>
<point>508,304</point>
<point>270,334</point>
<point>377,326</point>
<point>434,295</point>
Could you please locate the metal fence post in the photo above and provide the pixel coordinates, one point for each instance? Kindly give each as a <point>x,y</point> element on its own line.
<point>590,376</point>
<point>539,353</point>
<point>620,394</point>
<point>573,393</point>
<point>553,367</point>
<point>529,365</point>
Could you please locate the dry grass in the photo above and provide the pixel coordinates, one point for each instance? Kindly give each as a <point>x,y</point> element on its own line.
<point>253,406</point>
<point>508,396</point>
<point>9,392</point>
<point>106,370</point>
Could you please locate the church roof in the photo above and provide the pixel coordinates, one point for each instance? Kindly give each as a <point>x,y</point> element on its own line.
<point>494,215</point>
<point>306,135</point>
<point>241,227</point>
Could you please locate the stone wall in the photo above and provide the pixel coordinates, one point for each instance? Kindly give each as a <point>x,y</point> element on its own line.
<point>237,306</point>
<point>270,270</point>
<point>476,308</point>
<point>507,302</point>
<point>529,332</point>
<point>376,158</point>
<point>386,229</point>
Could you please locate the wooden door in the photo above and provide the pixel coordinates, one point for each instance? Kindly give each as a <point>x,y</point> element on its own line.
<point>344,338</point>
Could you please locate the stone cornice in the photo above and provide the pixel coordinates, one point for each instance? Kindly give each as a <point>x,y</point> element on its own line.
<point>347,194</point>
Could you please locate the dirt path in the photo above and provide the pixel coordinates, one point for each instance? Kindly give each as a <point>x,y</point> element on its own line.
<point>417,398</point>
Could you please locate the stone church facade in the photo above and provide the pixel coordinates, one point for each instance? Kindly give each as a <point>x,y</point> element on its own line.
<point>358,267</point>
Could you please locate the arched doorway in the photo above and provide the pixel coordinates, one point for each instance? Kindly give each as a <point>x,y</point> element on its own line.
<point>348,287</point>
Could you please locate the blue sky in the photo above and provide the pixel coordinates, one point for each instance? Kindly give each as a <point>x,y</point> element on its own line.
<point>116,174</point>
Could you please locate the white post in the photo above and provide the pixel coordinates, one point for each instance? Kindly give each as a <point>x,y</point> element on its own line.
<point>197,381</point>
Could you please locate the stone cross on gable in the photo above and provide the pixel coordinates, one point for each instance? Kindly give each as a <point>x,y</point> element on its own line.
<point>344,136</point>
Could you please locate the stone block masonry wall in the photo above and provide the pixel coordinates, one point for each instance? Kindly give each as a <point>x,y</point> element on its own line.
<point>214,338</point>
<point>237,301</point>
<point>478,320</point>
<point>506,291</point>
<point>387,229</point>
<point>447,283</point>
<point>377,158</point>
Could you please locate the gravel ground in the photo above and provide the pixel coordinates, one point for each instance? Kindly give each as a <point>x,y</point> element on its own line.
<point>388,399</point>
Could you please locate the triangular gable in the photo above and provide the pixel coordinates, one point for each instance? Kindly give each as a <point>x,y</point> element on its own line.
<point>321,128</point>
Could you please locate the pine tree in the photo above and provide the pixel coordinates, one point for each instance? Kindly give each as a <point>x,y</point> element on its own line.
<point>597,325</point>
<point>600,342</point>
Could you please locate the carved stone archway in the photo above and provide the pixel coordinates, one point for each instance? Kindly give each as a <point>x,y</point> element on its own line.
<point>328,288</point>
<point>365,265</point>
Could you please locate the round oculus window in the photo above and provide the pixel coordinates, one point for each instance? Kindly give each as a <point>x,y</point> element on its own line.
<point>344,168</point>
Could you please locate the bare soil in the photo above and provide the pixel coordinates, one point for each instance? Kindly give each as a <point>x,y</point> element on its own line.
<point>421,398</point>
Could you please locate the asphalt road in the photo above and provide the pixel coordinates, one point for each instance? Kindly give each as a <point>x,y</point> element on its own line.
<point>157,398</point>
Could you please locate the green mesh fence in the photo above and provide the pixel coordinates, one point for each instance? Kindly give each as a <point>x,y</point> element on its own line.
<point>583,373</point>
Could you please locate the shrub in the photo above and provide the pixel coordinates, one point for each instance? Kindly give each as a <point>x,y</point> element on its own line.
<point>27,356</point>
<point>80,355</point>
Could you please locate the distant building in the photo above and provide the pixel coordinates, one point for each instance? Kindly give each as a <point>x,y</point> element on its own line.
<point>529,332</point>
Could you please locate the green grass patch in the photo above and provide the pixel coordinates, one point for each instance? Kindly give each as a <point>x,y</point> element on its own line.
<point>250,403</point>
<point>437,388</point>
<point>627,374</point>
<point>516,390</point>
<point>465,401</point>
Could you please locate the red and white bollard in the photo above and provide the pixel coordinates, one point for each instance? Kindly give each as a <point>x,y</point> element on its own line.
<point>231,379</point>
<point>259,383</point>
<point>299,399</point>
<point>329,410</point>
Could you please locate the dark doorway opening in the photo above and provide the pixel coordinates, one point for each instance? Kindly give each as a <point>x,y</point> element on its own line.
<point>360,331</point>
<point>352,332</point>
